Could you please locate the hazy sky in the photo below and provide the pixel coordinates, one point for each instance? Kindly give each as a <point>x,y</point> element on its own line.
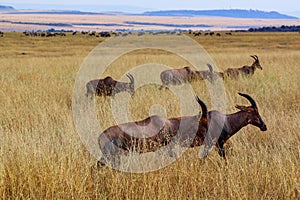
<point>284,6</point>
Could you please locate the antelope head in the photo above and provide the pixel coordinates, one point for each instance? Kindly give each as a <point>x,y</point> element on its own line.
<point>256,62</point>
<point>253,116</point>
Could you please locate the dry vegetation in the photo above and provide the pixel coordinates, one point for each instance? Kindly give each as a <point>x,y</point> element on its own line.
<point>42,156</point>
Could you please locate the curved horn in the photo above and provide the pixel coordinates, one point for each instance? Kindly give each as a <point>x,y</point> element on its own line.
<point>250,99</point>
<point>254,57</point>
<point>203,106</point>
<point>130,77</point>
<point>210,67</point>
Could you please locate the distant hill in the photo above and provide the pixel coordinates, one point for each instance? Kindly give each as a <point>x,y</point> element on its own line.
<point>235,13</point>
<point>6,8</point>
<point>50,12</point>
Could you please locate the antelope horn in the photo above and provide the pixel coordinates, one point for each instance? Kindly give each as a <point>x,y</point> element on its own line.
<point>130,77</point>
<point>254,57</point>
<point>250,99</point>
<point>203,106</point>
<point>210,67</point>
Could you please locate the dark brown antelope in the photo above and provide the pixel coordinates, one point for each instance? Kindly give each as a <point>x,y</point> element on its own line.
<point>245,70</point>
<point>176,76</point>
<point>109,87</point>
<point>150,134</point>
<point>221,127</point>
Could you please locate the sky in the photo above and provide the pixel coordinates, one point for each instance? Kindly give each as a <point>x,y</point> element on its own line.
<point>282,6</point>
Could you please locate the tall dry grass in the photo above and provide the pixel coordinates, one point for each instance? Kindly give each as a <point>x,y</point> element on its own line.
<point>42,157</point>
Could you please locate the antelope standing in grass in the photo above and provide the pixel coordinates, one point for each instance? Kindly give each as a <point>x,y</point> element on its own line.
<point>176,76</point>
<point>109,87</point>
<point>150,134</point>
<point>232,123</point>
<point>245,70</point>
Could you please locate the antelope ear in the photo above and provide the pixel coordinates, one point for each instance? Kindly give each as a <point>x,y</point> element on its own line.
<point>242,108</point>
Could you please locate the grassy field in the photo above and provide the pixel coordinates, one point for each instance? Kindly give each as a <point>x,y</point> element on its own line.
<point>42,156</point>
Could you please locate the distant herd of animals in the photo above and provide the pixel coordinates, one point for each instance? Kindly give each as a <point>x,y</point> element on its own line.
<point>44,34</point>
<point>106,34</point>
<point>198,33</point>
<point>120,139</point>
<point>63,34</point>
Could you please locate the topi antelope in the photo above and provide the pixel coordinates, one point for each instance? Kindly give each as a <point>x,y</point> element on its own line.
<point>221,127</point>
<point>109,87</point>
<point>150,134</point>
<point>176,76</point>
<point>245,70</point>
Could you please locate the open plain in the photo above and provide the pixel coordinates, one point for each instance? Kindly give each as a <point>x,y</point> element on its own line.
<point>42,156</point>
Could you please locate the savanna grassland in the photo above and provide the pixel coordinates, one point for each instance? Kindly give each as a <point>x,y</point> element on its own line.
<point>42,156</point>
